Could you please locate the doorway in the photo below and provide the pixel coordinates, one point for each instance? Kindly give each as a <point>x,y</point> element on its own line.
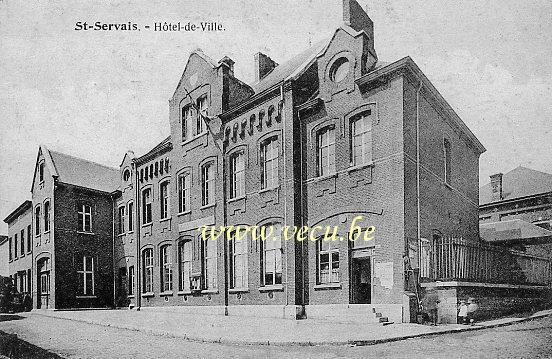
<point>361,280</point>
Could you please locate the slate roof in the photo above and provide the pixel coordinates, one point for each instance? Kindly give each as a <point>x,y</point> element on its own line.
<point>519,182</point>
<point>83,173</point>
<point>22,208</point>
<point>515,229</point>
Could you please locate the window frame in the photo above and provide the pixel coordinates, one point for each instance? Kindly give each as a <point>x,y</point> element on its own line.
<point>185,265</point>
<point>270,146</point>
<point>333,248</point>
<point>184,186</point>
<point>208,184</point>
<point>365,137</point>
<point>29,238</point>
<point>278,251</point>
<point>41,172</point>
<point>166,268</point>
<point>147,270</point>
<point>447,159</point>
<point>210,280</point>
<point>22,243</point>
<point>187,117</point>
<point>37,219</point>
<point>147,215</point>
<point>202,106</point>
<point>235,257</point>
<point>328,168</point>
<point>164,199</point>
<point>83,214</point>
<point>237,175</point>
<point>46,216</point>
<point>121,219</point>
<point>83,274</point>
<point>130,216</point>
<point>131,280</point>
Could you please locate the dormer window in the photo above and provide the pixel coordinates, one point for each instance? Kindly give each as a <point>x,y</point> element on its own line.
<point>339,69</point>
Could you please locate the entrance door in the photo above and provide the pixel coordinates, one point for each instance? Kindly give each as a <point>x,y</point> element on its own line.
<point>43,284</point>
<point>361,284</point>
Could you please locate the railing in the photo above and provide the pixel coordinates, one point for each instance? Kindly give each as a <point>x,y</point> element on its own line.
<point>454,259</point>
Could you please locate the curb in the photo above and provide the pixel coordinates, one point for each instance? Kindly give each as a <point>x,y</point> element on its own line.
<point>359,342</point>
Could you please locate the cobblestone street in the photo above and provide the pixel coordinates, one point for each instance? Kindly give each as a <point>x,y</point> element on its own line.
<point>532,339</point>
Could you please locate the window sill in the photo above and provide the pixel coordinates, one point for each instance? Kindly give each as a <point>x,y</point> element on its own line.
<point>272,288</point>
<point>166,294</point>
<point>165,219</point>
<point>360,167</point>
<point>207,206</point>
<point>322,178</point>
<point>130,232</point>
<point>184,292</point>
<point>236,199</point>
<point>148,294</point>
<point>325,286</point>
<point>46,232</point>
<point>238,290</point>
<point>189,140</point>
<point>209,291</point>
<point>264,190</point>
<point>88,233</point>
<point>149,224</point>
<point>130,296</point>
<point>185,212</point>
<point>86,297</point>
<point>121,234</point>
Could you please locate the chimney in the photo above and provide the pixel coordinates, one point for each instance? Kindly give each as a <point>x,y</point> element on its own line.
<point>355,16</point>
<point>496,187</point>
<point>263,65</point>
<point>229,63</point>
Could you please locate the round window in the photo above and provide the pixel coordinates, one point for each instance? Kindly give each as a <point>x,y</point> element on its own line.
<point>339,69</point>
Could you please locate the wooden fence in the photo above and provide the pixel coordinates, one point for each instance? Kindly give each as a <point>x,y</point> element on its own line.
<point>454,259</point>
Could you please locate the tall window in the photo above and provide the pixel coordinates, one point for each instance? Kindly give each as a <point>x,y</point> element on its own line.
<point>130,216</point>
<point>29,238</point>
<point>86,276</point>
<point>202,107</point>
<point>41,172</point>
<point>271,257</point>
<point>239,265</point>
<point>22,239</point>
<point>185,265</point>
<point>207,184</point>
<point>447,160</point>
<point>166,268</point>
<point>44,270</point>
<point>210,264</point>
<point>361,140</point>
<point>121,220</point>
<point>184,184</point>
<point>187,122</point>
<point>164,199</point>
<point>269,163</point>
<point>10,248</point>
<point>326,151</point>
<point>147,262</point>
<point>37,220</point>
<point>47,216</point>
<point>328,262</point>
<point>146,206</point>
<point>131,280</point>
<point>15,244</point>
<point>237,175</point>
<point>85,218</point>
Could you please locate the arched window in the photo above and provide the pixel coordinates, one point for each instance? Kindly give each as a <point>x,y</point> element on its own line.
<point>271,255</point>
<point>361,139</point>
<point>185,254</point>
<point>166,268</point>
<point>164,199</point>
<point>146,206</point>
<point>238,262</point>
<point>269,163</point>
<point>326,151</point>
<point>46,216</point>
<point>126,175</point>
<point>237,175</point>
<point>147,265</point>
<point>207,184</point>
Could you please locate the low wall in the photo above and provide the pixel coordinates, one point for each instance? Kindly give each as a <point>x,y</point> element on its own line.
<point>493,300</point>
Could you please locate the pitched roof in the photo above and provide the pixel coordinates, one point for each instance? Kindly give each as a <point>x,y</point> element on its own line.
<point>165,144</point>
<point>83,173</point>
<point>22,208</point>
<point>519,182</point>
<point>515,229</point>
<point>288,68</point>
<point>3,239</point>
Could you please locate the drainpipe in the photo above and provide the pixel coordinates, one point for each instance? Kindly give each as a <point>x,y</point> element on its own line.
<point>418,219</point>
<point>138,272</point>
<point>224,219</point>
<point>284,128</point>
<point>115,272</point>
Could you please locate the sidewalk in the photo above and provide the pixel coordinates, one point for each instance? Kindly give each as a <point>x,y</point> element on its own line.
<point>264,331</point>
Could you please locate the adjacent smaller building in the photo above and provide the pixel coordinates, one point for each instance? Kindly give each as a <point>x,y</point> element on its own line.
<point>20,246</point>
<point>4,267</point>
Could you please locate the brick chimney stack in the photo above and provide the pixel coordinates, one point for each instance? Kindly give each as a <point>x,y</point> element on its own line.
<point>496,187</point>
<point>263,65</point>
<point>355,16</point>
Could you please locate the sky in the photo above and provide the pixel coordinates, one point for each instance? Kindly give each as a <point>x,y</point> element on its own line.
<point>97,94</point>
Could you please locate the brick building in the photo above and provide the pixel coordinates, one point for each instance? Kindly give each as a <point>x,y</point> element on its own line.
<point>20,241</point>
<point>329,138</point>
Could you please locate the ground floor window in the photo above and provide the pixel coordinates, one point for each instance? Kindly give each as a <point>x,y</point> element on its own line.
<point>166,268</point>
<point>86,276</point>
<point>44,275</point>
<point>131,280</point>
<point>210,264</point>
<point>328,262</point>
<point>239,265</point>
<point>271,257</point>
<point>185,265</point>
<point>147,261</point>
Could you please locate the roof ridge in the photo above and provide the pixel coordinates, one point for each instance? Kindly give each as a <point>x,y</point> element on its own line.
<point>83,159</point>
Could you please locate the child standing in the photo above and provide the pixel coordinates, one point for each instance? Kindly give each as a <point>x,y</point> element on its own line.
<point>463,312</point>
